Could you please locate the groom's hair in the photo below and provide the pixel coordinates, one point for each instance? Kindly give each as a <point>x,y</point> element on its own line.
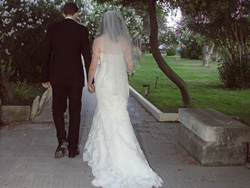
<point>70,9</point>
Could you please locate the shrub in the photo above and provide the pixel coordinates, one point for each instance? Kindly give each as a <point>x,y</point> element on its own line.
<point>235,74</point>
<point>192,51</point>
<point>24,92</point>
<point>171,51</point>
<point>183,52</point>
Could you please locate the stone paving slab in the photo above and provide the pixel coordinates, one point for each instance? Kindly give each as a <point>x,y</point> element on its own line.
<point>27,155</point>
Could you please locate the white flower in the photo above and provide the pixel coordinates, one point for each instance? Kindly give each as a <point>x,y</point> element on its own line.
<point>7,52</point>
<point>13,10</point>
<point>30,26</point>
<point>39,21</point>
<point>30,20</point>
<point>6,21</point>
<point>58,7</point>
<point>11,32</point>
<point>6,14</point>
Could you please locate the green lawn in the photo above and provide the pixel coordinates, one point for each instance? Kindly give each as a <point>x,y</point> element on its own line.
<point>206,89</point>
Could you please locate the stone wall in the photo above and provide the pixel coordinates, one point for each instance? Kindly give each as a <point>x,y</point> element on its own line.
<point>24,113</point>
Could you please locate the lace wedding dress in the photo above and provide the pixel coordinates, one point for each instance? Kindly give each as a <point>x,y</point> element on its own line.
<point>112,149</point>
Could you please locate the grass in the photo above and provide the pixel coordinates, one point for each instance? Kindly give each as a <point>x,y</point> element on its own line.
<point>206,89</point>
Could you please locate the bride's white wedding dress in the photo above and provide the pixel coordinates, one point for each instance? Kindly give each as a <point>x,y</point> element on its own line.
<point>112,149</point>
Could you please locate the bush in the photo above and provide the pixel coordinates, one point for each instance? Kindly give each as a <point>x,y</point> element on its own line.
<point>24,92</point>
<point>235,74</point>
<point>183,52</point>
<point>192,51</point>
<point>171,51</point>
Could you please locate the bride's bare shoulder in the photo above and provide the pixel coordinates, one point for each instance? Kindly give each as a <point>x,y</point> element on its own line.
<point>99,38</point>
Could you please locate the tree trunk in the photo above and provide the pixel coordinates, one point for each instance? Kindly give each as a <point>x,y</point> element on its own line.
<point>4,83</point>
<point>207,51</point>
<point>215,53</point>
<point>187,103</point>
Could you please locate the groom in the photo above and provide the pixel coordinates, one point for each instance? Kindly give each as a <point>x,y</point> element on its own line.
<point>62,68</point>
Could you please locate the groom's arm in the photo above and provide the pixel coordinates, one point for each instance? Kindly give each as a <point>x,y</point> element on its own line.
<point>46,57</point>
<point>85,49</point>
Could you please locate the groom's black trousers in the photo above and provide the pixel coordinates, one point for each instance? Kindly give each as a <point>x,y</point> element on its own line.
<point>59,107</point>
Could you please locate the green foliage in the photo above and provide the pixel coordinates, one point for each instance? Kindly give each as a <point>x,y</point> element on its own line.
<point>6,68</point>
<point>20,90</point>
<point>96,10</point>
<point>227,24</point>
<point>235,74</point>
<point>24,92</point>
<point>168,38</point>
<point>183,52</point>
<point>24,24</point>
<point>171,51</point>
<point>190,47</point>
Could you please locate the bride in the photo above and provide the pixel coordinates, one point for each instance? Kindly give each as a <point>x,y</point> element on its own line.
<point>112,149</point>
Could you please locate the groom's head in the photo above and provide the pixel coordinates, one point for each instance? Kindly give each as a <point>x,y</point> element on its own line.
<point>70,9</point>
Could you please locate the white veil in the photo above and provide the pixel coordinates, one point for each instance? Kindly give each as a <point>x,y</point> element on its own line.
<point>115,37</point>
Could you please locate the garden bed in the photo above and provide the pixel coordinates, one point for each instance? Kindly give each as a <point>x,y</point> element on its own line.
<point>27,105</point>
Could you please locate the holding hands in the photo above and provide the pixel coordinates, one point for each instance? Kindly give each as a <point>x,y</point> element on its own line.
<point>91,88</point>
<point>46,85</point>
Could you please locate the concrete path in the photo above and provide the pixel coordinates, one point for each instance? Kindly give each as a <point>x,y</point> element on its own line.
<point>27,154</point>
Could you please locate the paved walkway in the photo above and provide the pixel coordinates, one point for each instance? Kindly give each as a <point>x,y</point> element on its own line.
<point>27,155</point>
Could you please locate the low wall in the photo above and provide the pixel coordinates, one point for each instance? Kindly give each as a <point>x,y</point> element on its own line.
<point>160,116</point>
<point>15,113</point>
<point>24,113</point>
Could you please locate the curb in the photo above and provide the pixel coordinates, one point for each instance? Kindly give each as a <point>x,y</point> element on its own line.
<point>159,115</point>
<point>39,104</point>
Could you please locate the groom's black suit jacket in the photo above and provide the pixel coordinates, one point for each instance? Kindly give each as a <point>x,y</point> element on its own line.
<point>64,43</point>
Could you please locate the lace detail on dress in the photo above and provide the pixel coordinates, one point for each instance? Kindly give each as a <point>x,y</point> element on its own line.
<point>112,149</point>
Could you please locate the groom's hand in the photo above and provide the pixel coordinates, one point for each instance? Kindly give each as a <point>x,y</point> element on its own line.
<point>46,84</point>
<point>91,88</point>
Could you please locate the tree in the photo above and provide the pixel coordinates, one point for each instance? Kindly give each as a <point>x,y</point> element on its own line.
<point>95,11</point>
<point>150,6</point>
<point>226,23</point>
<point>23,24</point>
<point>189,41</point>
<point>6,71</point>
<point>207,51</point>
<point>168,38</point>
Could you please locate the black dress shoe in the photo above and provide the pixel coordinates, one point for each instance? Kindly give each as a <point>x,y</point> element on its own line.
<point>72,154</point>
<point>61,150</point>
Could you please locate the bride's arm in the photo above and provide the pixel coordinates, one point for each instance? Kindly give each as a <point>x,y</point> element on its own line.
<point>92,70</point>
<point>93,65</point>
<point>129,56</point>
